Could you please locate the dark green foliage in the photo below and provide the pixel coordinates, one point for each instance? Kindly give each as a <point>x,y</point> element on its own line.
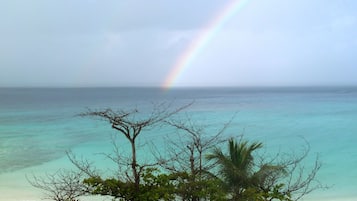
<point>152,188</point>
<point>158,186</point>
<point>189,187</point>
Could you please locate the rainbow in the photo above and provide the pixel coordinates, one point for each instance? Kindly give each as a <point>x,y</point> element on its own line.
<point>201,40</point>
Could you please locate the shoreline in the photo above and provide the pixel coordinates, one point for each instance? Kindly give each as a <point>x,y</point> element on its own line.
<point>15,187</point>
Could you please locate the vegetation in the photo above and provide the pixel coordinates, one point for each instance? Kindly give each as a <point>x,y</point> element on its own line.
<point>239,179</point>
<point>194,168</point>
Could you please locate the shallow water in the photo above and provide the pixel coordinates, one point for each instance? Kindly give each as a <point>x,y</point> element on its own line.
<point>37,126</point>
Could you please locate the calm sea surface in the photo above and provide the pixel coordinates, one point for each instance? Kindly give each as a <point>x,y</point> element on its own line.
<point>37,125</point>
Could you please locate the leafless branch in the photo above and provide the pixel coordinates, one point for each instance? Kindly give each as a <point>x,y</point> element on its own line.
<point>63,185</point>
<point>299,180</point>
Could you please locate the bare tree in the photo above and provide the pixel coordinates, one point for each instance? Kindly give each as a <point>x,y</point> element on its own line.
<point>188,151</point>
<point>301,180</point>
<point>130,124</point>
<point>63,185</point>
<point>187,155</point>
<point>297,179</point>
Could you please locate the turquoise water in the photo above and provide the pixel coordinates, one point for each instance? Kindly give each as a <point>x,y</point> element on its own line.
<point>38,125</point>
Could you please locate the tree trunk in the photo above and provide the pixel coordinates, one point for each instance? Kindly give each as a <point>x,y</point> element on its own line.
<point>134,169</point>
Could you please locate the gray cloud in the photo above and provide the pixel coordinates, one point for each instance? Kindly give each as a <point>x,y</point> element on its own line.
<point>115,43</point>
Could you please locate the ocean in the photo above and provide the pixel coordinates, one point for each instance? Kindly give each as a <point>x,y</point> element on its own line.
<point>38,126</point>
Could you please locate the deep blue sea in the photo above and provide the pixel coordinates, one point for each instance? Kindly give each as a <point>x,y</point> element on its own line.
<point>37,125</point>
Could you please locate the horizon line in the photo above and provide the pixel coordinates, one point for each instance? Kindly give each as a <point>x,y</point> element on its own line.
<point>189,86</point>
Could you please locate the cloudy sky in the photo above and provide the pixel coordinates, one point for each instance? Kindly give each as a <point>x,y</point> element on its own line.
<point>138,42</point>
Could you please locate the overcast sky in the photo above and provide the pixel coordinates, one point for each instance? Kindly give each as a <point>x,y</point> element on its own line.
<point>137,42</point>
